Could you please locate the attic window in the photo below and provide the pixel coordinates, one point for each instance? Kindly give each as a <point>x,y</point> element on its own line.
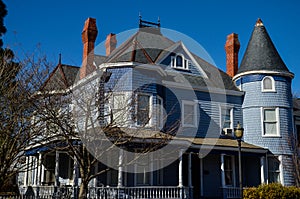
<point>179,62</point>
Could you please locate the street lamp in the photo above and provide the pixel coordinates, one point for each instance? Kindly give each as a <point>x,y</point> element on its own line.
<point>238,132</point>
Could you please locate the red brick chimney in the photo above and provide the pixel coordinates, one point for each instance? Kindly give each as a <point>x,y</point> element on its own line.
<point>232,48</point>
<point>110,43</point>
<point>88,36</point>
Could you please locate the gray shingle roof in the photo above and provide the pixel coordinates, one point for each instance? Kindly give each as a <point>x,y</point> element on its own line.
<point>148,48</point>
<point>62,77</point>
<point>261,53</point>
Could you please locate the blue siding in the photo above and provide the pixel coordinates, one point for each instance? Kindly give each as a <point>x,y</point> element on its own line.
<point>254,100</point>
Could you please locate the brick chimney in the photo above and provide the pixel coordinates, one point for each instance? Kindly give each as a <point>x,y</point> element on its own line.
<point>232,48</point>
<point>110,43</point>
<point>88,36</point>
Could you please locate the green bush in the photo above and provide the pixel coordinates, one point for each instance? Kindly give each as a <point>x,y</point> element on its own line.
<point>272,191</point>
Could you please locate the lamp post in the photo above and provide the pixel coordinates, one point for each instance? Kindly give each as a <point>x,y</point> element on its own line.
<point>238,132</point>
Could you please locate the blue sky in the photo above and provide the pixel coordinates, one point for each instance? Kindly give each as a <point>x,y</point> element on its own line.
<point>56,25</point>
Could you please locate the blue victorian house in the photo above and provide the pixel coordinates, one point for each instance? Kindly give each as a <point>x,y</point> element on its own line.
<point>157,91</point>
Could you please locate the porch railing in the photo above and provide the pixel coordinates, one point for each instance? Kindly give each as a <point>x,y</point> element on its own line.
<point>139,192</point>
<point>231,192</point>
<point>153,192</point>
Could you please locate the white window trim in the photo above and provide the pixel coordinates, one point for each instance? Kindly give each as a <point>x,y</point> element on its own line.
<point>193,103</point>
<point>273,85</point>
<point>185,62</point>
<point>277,122</point>
<point>221,107</point>
<point>161,116</point>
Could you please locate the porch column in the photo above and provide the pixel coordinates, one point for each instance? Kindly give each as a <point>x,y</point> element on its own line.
<point>180,177</point>
<point>262,170</point>
<point>25,182</point>
<point>35,170</point>
<point>222,170</point>
<point>120,177</point>
<point>190,170</point>
<point>75,172</point>
<point>39,162</point>
<point>56,183</point>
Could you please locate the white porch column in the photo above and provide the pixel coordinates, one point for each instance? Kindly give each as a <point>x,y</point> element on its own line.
<point>281,169</point>
<point>222,170</point>
<point>56,183</point>
<point>25,182</point>
<point>262,170</point>
<point>35,170</point>
<point>39,163</point>
<point>120,170</point>
<point>180,177</point>
<point>190,170</point>
<point>75,172</point>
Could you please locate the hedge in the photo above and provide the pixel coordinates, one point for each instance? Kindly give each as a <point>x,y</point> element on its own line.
<point>271,191</point>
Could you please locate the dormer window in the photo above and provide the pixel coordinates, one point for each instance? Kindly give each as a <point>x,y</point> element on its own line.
<point>180,62</point>
<point>268,84</point>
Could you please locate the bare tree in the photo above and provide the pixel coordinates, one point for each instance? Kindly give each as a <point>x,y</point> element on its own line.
<point>18,81</point>
<point>90,121</point>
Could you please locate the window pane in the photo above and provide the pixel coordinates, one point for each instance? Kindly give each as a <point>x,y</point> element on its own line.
<point>178,60</point>
<point>270,128</point>
<point>270,122</point>
<point>189,115</point>
<point>270,115</point>
<point>143,109</point>
<point>228,170</point>
<point>226,117</point>
<point>267,84</point>
<point>119,109</point>
<point>273,164</point>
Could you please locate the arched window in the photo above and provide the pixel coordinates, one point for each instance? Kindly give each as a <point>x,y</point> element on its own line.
<point>268,84</point>
<point>179,61</point>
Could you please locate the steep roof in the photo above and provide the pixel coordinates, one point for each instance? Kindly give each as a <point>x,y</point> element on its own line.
<point>261,53</point>
<point>62,77</point>
<point>148,47</point>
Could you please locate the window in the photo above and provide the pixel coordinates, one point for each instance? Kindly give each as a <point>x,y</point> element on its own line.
<point>118,109</point>
<point>228,170</point>
<point>143,109</point>
<point>270,121</point>
<point>268,84</point>
<point>189,113</point>
<point>179,61</point>
<point>274,169</point>
<point>226,119</point>
<point>228,166</point>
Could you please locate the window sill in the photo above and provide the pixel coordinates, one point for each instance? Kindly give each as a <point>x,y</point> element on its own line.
<point>271,136</point>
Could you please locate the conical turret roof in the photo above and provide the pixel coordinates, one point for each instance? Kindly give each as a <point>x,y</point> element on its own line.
<point>261,54</point>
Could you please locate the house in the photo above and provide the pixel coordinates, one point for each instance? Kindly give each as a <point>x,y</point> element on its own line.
<point>157,92</point>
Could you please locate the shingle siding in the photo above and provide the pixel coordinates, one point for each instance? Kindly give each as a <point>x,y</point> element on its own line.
<point>254,101</point>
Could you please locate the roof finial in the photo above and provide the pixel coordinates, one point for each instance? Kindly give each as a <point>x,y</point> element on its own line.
<point>59,59</point>
<point>259,22</point>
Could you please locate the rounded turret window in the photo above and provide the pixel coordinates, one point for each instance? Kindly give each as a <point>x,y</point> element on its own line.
<point>268,84</point>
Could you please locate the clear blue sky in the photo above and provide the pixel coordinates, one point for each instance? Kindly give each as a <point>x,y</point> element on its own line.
<point>56,25</point>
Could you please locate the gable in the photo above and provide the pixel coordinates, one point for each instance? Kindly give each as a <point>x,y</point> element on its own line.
<point>178,58</point>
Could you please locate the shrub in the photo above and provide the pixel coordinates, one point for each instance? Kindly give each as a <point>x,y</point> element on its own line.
<point>272,191</point>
